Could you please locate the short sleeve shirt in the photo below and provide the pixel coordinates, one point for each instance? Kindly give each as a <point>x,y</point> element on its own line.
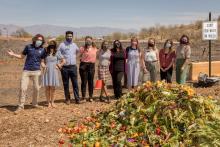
<point>34,57</point>
<point>183,52</point>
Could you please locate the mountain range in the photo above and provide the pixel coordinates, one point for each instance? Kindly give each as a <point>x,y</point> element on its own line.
<point>54,30</point>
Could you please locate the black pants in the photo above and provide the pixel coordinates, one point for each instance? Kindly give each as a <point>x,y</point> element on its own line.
<point>167,76</point>
<point>70,72</point>
<point>87,72</point>
<point>116,81</point>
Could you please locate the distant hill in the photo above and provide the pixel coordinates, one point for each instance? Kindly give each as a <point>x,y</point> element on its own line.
<point>53,30</point>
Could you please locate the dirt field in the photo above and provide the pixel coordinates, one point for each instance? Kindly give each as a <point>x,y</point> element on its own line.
<point>38,127</point>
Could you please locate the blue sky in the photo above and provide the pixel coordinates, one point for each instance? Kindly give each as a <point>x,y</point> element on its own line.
<point>110,13</point>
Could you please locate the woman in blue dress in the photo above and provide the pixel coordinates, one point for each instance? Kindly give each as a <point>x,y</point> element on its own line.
<point>50,78</point>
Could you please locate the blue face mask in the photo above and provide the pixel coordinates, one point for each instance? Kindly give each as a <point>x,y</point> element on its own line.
<point>69,40</point>
<point>38,43</point>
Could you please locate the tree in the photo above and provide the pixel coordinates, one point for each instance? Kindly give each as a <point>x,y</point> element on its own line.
<point>21,33</point>
<point>117,36</point>
<point>143,33</point>
<point>60,38</point>
<point>0,32</point>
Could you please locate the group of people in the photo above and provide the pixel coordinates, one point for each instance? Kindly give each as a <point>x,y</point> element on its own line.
<point>116,62</point>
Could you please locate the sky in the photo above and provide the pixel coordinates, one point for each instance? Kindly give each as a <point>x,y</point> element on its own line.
<point>125,14</point>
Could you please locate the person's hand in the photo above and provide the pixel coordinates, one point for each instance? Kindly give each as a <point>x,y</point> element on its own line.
<point>10,52</point>
<point>163,70</point>
<point>58,66</point>
<point>182,68</point>
<point>44,69</point>
<point>145,70</point>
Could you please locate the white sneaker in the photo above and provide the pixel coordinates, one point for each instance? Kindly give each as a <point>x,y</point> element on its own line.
<point>18,110</point>
<point>37,106</point>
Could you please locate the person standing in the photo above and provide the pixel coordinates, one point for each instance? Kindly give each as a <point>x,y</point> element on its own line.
<point>150,59</point>
<point>183,54</point>
<point>133,63</point>
<point>117,67</point>
<point>167,58</point>
<point>103,69</point>
<point>68,51</point>
<point>34,53</point>
<point>50,79</point>
<point>87,67</point>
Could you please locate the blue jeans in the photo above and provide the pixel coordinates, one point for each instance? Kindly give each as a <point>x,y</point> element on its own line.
<point>70,72</point>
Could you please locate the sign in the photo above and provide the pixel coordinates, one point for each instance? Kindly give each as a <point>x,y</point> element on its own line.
<point>210,30</point>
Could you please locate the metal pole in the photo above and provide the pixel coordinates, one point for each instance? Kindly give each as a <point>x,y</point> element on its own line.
<point>210,48</point>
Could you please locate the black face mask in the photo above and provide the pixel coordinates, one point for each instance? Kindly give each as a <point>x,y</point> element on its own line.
<point>105,47</point>
<point>151,44</point>
<point>88,43</point>
<point>52,46</point>
<point>183,42</point>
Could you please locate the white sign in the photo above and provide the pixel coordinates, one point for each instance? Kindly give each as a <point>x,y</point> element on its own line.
<point>210,30</point>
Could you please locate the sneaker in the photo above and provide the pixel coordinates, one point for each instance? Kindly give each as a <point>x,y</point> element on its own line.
<point>18,110</point>
<point>37,106</point>
<point>90,100</point>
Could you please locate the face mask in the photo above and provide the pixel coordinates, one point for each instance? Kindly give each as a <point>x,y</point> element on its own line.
<point>168,45</point>
<point>69,40</point>
<point>151,44</point>
<point>52,46</point>
<point>38,43</point>
<point>105,47</point>
<point>183,42</point>
<point>117,45</point>
<point>88,43</point>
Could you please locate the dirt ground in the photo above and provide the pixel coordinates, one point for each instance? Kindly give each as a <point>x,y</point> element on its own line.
<point>35,127</point>
<point>38,127</point>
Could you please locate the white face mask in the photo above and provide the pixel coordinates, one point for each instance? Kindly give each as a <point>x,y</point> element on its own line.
<point>168,45</point>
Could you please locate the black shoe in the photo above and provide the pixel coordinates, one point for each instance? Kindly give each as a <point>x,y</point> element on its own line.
<point>108,100</point>
<point>78,102</point>
<point>101,99</point>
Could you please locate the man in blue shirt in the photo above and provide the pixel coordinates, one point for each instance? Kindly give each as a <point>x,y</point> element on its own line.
<point>69,50</point>
<point>34,53</point>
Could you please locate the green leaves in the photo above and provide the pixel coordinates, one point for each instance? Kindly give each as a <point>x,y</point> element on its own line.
<point>163,114</point>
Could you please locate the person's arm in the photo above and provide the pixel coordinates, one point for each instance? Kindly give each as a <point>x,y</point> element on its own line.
<point>160,60</point>
<point>19,56</point>
<point>62,62</point>
<point>60,58</point>
<point>187,57</point>
<point>43,65</point>
<point>171,64</point>
<point>143,63</point>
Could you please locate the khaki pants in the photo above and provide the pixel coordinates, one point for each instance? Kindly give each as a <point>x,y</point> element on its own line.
<point>26,76</point>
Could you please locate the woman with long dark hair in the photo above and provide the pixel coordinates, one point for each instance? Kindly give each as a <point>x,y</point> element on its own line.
<point>167,58</point>
<point>117,67</point>
<point>50,77</point>
<point>87,66</point>
<point>183,54</point>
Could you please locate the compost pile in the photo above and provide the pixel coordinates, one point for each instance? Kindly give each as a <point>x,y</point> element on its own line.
<point>158,114</point>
